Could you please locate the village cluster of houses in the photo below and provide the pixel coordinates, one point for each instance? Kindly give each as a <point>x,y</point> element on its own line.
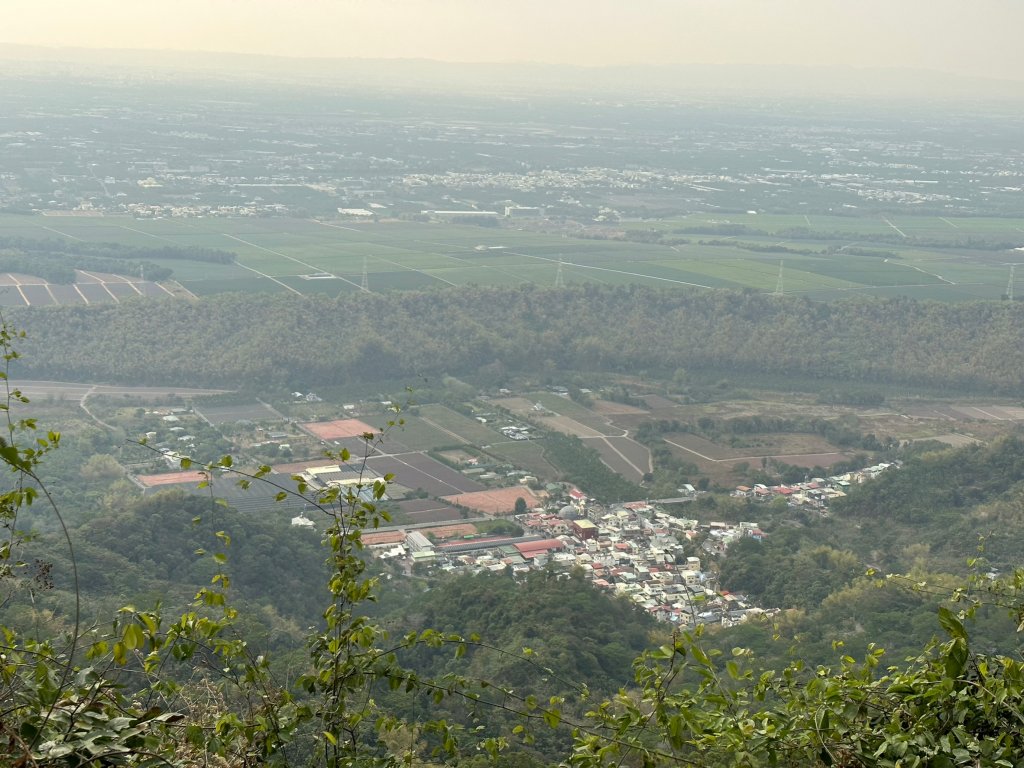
<point>634,550</point>
<point>818,491</point>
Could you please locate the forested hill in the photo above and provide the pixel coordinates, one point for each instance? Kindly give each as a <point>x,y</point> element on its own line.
<point>230,340</point>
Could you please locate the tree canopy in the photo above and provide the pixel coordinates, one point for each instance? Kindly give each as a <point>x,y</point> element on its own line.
<point>281,340</point>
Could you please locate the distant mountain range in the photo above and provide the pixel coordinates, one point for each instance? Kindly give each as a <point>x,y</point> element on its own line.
<point>636,81</point>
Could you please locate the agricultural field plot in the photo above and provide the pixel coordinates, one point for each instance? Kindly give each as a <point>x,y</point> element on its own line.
<point>456,531</point>
<point>570,417</point>
<point>563,405</point>
<point>527,455</point>
<point>418,511</point>
<point>567,426</point>
<point>416,470</point>
<point>799,273</point>
<point>479,275</point>
<point>232,414</point>
<point>963,272</point>
<point>462,428</point>
<point>67,294</point>
<point>242,284</point>
<point>184,270</point>
<point>622,455</point>
<point>790,448</point>
<point>418,435</point>
<point>359,448</point>
<point>38,295</point>
<point>274,254</point>
<point>862,272</point>
<point>966,412</point>
<point>404,280</point>
<point>338,429</point>
<point>17,290</point>
<point>941,227</point>
<point>497,501</point>
<point>611,409</point>
<point>949,228</point>
<point>171,478</point>
<point>331,287</point>
<point>123,291</point>
<point>517,405</point>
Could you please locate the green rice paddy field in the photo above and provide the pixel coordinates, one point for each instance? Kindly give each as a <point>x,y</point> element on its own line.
<point>308,257</point>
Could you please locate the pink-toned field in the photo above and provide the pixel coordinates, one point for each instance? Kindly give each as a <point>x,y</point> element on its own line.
<point>499,501</point>
<point>172,478</point>
<point>336,430</point>
<point>383,537</point>
<point>445,532</point>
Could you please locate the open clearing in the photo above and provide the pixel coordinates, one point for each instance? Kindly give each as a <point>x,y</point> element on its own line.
<point>171,478</point>
<point>610,408</point>
<point>417,511</point>
<point>231,414</point>
<point>337,430</point>
<point>498,501</point>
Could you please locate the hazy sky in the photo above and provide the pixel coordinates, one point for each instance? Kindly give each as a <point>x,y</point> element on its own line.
<point>972,37</point>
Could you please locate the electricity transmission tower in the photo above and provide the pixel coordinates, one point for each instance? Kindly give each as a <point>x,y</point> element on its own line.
<point>559,277</point>
<point>365,285</point>
<point>778,283</point>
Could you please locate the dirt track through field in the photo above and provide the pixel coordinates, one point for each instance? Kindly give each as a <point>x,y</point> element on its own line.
<point>618,461</point>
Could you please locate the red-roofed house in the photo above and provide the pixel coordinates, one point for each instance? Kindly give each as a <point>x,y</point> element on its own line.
<point>530,549</point>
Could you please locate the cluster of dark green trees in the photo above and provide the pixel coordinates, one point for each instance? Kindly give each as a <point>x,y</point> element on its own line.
<point>274,340</point>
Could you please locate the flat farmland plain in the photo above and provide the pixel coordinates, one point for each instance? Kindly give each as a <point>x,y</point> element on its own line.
<point>416,470</point>
<point>924,257</point>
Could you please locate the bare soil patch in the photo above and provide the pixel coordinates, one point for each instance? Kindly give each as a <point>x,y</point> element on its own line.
<point>498,501</point>
<point>336,430</point>
<point>172,478</point>
<point>609,408</point>
<point>445,532</point>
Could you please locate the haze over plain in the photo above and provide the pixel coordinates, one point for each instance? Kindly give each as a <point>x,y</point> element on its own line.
<point>976,40</point>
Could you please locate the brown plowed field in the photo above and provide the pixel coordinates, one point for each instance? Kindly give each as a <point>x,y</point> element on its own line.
<point>336,430</point>
<point>499,501</point>
<point>609,408</point>
<point>172,478</point>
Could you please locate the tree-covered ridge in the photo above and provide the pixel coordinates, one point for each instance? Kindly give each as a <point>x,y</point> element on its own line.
<point>282,339</point>
<point>934,482</point>
<point>567,624</point>
<point>147,547</point>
